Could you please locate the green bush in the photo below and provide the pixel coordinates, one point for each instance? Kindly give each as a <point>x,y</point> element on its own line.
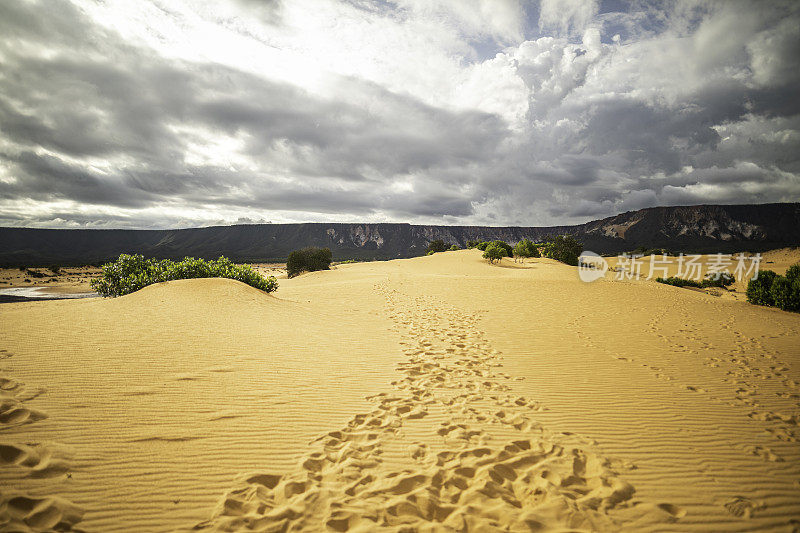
<point>454,248</point>
<point>308,260</point>
<point>679,282</point>
<point>507,248</point>
<point>526,248</point>
<point>771,289</point>
<point>564,248</point>
<point>758,290</point>
<point>793,272</point>
<point>129,273</point>
<point>785,293</point>
<point>473,244</point>
<point>722,280</point>
<point>643,251</point>
<point>494,253</point>
<point>436,246</point>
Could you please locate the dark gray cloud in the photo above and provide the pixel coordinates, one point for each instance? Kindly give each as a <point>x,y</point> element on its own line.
<point>681,108</point>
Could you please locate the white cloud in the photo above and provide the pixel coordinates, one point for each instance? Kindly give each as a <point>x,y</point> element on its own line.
<point>567,16</point>
<point>499,19</point>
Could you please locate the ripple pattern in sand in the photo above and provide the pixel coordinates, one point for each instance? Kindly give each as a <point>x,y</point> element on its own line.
<point>449,447</point>
<point>20,512</point>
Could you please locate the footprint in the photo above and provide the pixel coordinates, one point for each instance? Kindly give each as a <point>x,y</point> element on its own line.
<point>14,413</point>
<point>695,389</point>
<point>783,434</point>
<point>742,507</point>
<point>21,513</point>
<point>39,460</point>
<point>673,510</point>
<point>765,453</point>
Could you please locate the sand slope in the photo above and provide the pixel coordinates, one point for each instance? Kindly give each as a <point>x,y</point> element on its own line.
<point>438,391</point>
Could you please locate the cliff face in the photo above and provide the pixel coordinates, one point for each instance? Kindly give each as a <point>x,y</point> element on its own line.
<point>704,228</point>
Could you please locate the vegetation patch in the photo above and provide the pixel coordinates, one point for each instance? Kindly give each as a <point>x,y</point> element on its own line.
<point>129,273</point>
<point>643,251</point>
<point>308,260</point>
<point>436,246</point>
<point>564,248</point>
<point>526,248</point>
<point>679,282</point>
<point>771,289</point>
<point>494,253</point>
<point>722,281</point>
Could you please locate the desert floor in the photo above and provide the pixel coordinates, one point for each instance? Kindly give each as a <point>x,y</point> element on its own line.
<point>436,391</point>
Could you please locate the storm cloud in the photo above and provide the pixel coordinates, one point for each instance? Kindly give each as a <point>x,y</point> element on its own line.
<point>159,114</point>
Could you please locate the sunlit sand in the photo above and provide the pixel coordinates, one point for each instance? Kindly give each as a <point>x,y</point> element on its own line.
<point>438,392</point>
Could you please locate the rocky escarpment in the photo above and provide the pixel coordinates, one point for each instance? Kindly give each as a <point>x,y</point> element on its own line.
<point>703,228</point>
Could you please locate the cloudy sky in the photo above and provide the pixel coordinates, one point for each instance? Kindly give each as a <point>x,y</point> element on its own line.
<point>160,113</point>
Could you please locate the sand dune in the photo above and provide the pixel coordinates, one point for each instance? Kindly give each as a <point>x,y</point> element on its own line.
<point>432,393</point>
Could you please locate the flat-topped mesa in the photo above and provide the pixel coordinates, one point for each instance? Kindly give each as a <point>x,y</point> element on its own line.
<point>702,228</point>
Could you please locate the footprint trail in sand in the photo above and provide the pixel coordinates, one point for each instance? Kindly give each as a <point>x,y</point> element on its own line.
<point>20,512</point>
<point>451,446</point>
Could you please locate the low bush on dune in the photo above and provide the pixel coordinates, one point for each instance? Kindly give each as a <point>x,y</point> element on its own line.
<point>435,247</point>
<point>645,251</point>
<point>758,290</point>
<point>308,260</point>
<point>494,253</point>
<point>786,294</point>
<point>771,289</point>
<point>564,248</point>
<point>495,250</point>
<point>526,248</point>
<point>129,273</point>
<point>679,282</point>
<point>722,281</point>
<point>508,250</point>
<point>453,248</point>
